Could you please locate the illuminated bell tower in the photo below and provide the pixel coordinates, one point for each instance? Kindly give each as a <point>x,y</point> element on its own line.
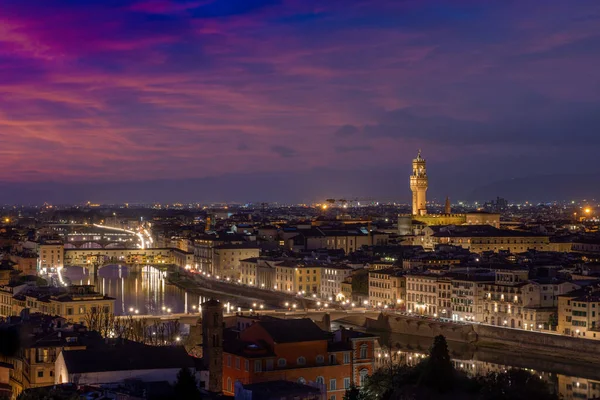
<point>418,185</point>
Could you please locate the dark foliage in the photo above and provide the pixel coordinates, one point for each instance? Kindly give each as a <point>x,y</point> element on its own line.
<point>436,378</point>
<point>438,372</point>
<point>186,386</point>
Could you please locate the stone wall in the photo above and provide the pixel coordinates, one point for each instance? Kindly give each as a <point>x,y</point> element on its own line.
<point>492,337</point>
<point>422,327</point>
<point>527,341</point>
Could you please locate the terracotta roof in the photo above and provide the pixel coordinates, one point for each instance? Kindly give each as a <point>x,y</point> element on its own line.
<point>293,330</point>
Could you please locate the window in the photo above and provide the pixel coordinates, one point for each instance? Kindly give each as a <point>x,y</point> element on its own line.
<point>301,361</point>
<point>229,388</point>
<point>229,361</point>
<point>346,383</point>
<point>237,363</point>
<point>332,384</point>
<point>258,366</point>
<point>320,380</point>
<point>301,380</point>
<point>269,365</point>
<point>320,359</point>
<point>332,397</point>
<point>332,359</point>
<point>363,374</point>
<point>40,374</point>
<point>246,365</point>
<point>363,351</point>
<point>346,358</point>
<point>281,362</point>
<point>69,310</point>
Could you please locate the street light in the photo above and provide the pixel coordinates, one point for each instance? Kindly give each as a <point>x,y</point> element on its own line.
<point>130,309</point>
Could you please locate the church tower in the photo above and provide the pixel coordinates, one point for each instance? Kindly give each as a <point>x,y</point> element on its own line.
<point>418,185</point>
<point>447,207</point>
<point>212,344</point>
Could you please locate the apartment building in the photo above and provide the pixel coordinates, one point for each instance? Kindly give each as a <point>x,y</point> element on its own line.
<point>331,281</point>
<point>422,294</point>
<point>579,313</point>
<point>387,287</point>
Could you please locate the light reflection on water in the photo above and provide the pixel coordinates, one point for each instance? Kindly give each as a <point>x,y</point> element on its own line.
<point>144,289</point>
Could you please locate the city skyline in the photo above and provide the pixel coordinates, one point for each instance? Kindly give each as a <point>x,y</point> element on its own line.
<point>293,100</point>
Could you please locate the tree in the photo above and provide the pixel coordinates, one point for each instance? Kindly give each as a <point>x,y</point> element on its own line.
<point>186,386</point>
<point>438,372</point>
<point>514,384</point>
<point>354,393</point>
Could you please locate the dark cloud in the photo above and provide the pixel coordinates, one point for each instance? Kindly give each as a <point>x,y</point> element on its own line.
<point>283,151</point>
<point>543,124</point>
<point>346,130</point>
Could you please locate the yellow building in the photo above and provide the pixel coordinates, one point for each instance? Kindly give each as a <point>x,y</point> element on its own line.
<point>346,288</point>
<point>579,314</point>
<point>72,304</point>
<point>227,258</point>
<point>480,238</point>
<point>422,294</point>
<point>51,255</point>
<point>387,287</point>
<point>413,224</point>
<point>308,279</point>
<point>285,277</point>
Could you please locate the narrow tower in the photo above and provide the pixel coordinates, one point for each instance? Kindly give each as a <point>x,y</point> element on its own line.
<point>447,208</point>
<point>212,344</point>
<point>418,185</point>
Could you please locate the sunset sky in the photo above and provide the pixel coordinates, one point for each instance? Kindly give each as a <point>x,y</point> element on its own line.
<point>153,91</point>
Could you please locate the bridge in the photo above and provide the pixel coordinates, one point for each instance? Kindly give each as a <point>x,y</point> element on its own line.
<point>95,236</point>
<point>353,317</point>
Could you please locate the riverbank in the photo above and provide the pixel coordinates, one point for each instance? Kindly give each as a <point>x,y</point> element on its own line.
<point>550,346</point>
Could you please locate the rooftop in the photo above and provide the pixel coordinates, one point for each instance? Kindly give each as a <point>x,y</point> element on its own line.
<point>127,356</point>
<point>293,330</point>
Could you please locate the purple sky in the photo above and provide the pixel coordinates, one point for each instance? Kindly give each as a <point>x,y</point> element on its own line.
<point>153,90</point>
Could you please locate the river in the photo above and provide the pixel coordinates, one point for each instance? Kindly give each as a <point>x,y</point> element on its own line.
<point>146,290</point>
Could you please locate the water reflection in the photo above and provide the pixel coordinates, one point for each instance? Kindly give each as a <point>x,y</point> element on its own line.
<point>568,380</point>
<point>144,289</point>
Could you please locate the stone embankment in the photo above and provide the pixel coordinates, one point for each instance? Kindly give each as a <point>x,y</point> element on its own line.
<point>491,337</point>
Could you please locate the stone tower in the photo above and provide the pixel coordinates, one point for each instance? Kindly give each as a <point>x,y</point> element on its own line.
<point>447,207</point>
<point>418,185</point>
<point>212,344</point>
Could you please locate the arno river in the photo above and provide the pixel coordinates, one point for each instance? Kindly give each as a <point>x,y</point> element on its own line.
<point>147,291</point>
